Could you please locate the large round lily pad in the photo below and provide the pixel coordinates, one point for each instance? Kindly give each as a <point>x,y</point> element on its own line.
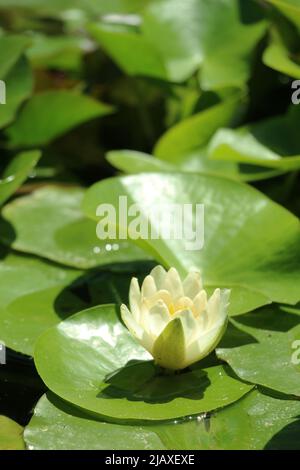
<point>257,421</point>
<point>92,361</point>
<point>251,244</point>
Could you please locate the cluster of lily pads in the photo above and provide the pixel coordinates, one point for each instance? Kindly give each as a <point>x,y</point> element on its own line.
<point>164,102</point>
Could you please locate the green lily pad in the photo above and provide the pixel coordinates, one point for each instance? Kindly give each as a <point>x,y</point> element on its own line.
<point>265,259</point>
<point>19,86</point>
<point>185,36</point>
<point>50,223</point>
<point>11,48</point>
<point>50,114</point>
<point>26,314</point>
<point>22,275</point>
<point>92,361</point>
<point>54,415</point>
<point>271,143</point>
<point>10,435</point>
<point>273,362</point>
<point>132,162</point>
<point>17,172</point>
<point>257,421</point>
<point>131,51</point>
<point>175,40</point>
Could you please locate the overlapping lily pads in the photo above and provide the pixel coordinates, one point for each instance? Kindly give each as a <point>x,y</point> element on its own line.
<point>49,223</point>
<point>10,435</point>
<point>265,260</point>
<point>37,295</point>
<point>174,40</point>
<point>275,421</point>
<point>98,366</point>
<point>273,362</point>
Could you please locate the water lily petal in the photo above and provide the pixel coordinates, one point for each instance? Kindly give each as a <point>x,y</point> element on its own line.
<point>169,348</point>
<point>200,302</point>
<point>148,287</point>
<point>160,295</point>
<point>217,305</point>
<point>184,303</point>
<point>140,333</point>
<point>127,317</point>
<point>158,273</point>
<point>135,298</point>
<point>157,319</point>
<point>173,284</point>
<point>190,325</point>
<point>205,343</point>
<point>192,284</point>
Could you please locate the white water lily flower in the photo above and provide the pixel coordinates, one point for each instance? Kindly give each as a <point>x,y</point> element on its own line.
<point>174,320</point>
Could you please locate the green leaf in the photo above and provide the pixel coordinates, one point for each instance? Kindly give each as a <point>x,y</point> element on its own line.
<point>10,435</point>
<point>92,361</point>
<point>57,52</point>
<point>196,131</point>
<point>278,58</point>
<point>131,51</point>
<point>87,433</point>
<point>11,49</point>
<point>36,295</point>
<point>17,172</point>
<point>50,114</point>
<point>265,260</point>
<point>185,36</point>
<point>175,40</point>
<point>269,362</point>
<point>90,6</point>
<point>27,308</point>
<point>132,162</point>
<point>290,8</point>
<point>255,422</point>
<point>271,143</point>
<point>50,223</point>
<point>19,86</point>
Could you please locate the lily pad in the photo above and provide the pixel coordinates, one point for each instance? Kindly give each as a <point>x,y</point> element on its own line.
<point>265,260</point>
<point>271,143</point>
<point>25,315</point>
<point>10,435</point>
<point>132,162</point>
<point>50,223</point>
<point>273,362</point>
<point>260,422</point>
<point>185,36</point>
<point>17,172</point>
<point>175,40</point>
<point>48,115</point>
<point>92,361</point>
